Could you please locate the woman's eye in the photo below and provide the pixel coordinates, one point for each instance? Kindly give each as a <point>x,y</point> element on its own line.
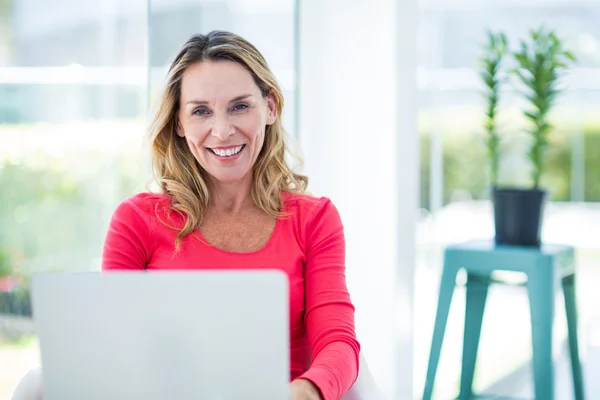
<point>200,111</point>
<point>240,107</point>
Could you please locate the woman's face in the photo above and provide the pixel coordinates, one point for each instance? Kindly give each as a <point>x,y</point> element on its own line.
<point>223,117</point>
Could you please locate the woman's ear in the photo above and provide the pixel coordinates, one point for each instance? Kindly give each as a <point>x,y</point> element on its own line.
<point>178,127</point>
<point>272,107</point>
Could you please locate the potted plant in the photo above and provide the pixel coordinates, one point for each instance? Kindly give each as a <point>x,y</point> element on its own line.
<point>541,60</point>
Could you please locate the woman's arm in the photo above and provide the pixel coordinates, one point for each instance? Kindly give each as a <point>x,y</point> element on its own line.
<point>128,242</point>
<point>329,311</point>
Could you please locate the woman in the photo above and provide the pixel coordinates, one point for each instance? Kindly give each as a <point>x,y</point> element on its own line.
<point>230,200</point>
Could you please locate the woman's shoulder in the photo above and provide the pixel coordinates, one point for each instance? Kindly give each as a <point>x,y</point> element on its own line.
<point>306,206</point>
<point>144,204</point>
<point>315,219</point>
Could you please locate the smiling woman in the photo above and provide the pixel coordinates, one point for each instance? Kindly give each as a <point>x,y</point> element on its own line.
<point>220,94</point>
<point>229,200</point>
<point>225,132</point>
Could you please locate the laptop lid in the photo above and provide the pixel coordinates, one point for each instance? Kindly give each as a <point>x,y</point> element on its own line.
<point>213,335</point>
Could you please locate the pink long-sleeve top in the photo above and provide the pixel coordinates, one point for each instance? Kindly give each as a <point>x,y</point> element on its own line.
<point>307,243</point>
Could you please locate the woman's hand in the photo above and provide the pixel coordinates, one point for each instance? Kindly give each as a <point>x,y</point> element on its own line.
<point>303,389</point>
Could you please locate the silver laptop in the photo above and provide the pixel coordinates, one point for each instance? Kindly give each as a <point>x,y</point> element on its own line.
<point>210,335</point>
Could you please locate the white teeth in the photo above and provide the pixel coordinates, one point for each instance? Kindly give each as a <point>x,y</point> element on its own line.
<point>227,152</point>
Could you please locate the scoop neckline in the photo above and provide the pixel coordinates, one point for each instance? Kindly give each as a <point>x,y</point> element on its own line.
<point>264,248</point>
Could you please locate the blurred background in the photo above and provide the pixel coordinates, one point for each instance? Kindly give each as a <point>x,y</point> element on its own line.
<point>77,78</point>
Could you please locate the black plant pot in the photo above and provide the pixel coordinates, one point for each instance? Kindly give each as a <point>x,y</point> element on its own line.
<point>518,216</point>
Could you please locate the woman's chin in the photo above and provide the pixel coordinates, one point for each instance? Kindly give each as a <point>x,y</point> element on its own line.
<point>230,178</point>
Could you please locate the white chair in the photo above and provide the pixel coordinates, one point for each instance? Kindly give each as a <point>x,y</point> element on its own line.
<point>30,386</point>
<point>364,388</point>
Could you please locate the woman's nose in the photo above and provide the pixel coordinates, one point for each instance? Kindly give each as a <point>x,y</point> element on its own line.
<point>222,127</point>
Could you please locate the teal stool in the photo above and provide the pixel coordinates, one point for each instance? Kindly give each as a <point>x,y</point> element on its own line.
<point>546,268</point>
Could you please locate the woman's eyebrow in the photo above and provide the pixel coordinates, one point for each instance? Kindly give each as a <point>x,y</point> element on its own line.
<point>197,102</point>
<point>241,97</point>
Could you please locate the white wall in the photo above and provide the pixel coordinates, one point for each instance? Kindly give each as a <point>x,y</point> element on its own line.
<point>357,129</point>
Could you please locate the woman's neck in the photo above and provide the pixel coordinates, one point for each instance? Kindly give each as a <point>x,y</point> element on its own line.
<point>231,199</point>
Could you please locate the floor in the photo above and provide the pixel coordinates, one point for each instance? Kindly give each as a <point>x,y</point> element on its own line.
<point>520,383</point>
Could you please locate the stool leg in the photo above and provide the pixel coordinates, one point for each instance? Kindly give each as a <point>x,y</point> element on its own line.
<point>540,287</point>
<point>568,284</point>
<point>477,290</point>
<point>447,285</point>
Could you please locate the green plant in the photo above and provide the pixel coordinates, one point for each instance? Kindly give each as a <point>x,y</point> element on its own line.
<point>494,52</point>
<point>5,262</point>
<point>55,214</point>
<point>541,60</point>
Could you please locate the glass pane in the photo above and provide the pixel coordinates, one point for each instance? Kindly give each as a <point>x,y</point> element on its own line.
<point>74,90</point>
<point>72,107</point>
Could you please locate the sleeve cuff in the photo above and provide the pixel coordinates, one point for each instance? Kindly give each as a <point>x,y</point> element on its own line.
<point>322,379</point>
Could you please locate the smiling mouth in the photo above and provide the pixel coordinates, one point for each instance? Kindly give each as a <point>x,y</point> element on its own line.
<point>228,152</point>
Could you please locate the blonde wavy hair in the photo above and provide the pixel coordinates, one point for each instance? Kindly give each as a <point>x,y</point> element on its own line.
<point>174,167</point>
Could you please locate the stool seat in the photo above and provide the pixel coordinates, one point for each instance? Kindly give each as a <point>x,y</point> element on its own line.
<point>547,268</point>
<point>486,256</point>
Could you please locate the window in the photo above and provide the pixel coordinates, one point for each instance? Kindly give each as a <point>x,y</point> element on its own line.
<point>75,83</point>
